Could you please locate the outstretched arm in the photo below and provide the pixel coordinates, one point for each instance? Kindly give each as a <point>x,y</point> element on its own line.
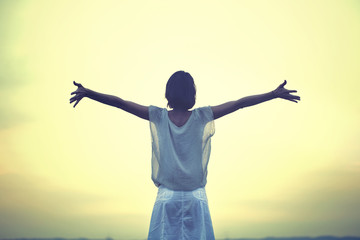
<point>130,107</point>
<point>229,107</point>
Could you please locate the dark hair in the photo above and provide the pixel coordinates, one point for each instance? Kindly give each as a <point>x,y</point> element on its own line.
<point>180,91</point>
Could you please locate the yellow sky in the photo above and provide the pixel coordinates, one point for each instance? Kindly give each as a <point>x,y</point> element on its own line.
<point>277,169</point>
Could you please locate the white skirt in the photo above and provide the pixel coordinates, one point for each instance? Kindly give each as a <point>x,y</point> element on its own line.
<point>179,215</point>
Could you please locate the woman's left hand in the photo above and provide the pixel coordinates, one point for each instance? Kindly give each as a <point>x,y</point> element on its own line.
<point>79,93</point>
<point>281,92</point>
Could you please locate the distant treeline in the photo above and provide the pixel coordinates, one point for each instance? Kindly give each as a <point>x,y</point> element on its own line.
<point>267,238</point>
<point>298,238</point>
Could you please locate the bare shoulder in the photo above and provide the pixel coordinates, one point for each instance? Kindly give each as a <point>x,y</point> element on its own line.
<point>222,109</point>
<point>138,110</point>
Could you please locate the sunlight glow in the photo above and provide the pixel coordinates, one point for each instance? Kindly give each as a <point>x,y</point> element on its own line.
<point>277,169</point>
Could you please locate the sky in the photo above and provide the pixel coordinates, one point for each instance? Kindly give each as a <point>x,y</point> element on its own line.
<point>277,169</point>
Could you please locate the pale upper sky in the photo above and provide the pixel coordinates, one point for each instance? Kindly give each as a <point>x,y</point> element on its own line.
<point>276,169</point>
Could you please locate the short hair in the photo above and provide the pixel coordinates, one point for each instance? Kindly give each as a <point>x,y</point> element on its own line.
<point>180,91</point>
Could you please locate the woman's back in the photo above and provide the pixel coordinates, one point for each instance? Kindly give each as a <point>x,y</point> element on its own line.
<point>180,150</point>
<point>179,117</point>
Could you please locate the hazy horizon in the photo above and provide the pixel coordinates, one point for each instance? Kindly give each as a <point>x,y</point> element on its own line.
<point>264,238</point>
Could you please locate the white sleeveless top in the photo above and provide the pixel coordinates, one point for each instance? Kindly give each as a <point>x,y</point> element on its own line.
<point>180,155</point>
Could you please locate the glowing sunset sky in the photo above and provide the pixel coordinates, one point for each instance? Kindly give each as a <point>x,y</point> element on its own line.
<point>276,169</point>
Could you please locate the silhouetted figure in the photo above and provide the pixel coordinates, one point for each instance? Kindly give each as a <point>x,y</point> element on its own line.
<point>181,144</point>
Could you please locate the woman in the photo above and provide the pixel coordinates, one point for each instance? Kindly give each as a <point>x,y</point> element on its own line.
<point>181,144</point>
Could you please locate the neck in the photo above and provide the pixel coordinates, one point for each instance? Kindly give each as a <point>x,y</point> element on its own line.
<point>179,110</point>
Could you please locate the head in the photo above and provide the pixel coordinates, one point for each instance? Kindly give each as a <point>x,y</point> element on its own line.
<point>180,91</point>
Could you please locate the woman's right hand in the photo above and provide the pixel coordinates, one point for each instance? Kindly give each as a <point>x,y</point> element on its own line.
<point>79,94</point>
<point>281,92</point>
